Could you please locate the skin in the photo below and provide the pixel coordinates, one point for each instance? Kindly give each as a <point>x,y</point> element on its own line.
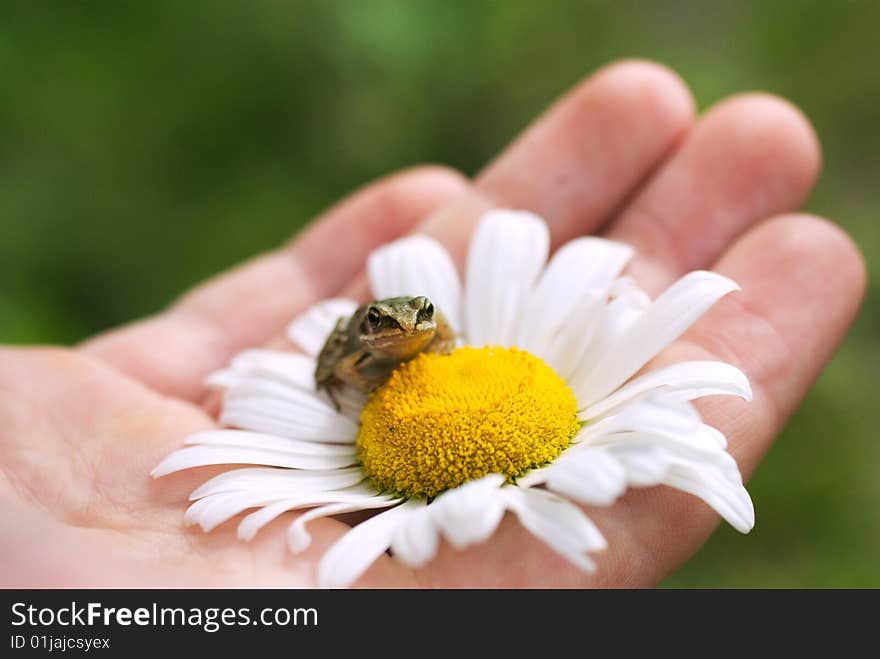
<point>621,155</point>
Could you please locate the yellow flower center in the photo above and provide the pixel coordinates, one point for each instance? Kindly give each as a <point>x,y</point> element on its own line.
<point>442,420</point>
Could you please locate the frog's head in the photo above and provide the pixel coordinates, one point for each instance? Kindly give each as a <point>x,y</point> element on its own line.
<point>398,326</point>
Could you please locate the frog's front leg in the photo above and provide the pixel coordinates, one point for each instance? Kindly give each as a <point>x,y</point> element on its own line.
<point>357,370</point>
<point>444,336</point>
<point>331,353</point>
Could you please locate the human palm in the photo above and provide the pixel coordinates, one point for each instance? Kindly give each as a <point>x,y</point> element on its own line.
<point>622,156</point>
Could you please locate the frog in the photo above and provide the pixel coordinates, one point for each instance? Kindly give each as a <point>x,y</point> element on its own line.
<point>364,349</point>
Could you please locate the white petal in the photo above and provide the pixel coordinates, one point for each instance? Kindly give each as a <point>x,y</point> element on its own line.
<point>626,287</point>
<point>200,456</point>
<point>685,447</point>
<point>612,321</point>
<point>645,464</point>
<point>415,541</point>
<point>661,422</point>
<point>274,373</point>
<point>279,482</point>
<point>562,308</point>
<point>212,511</point>
<point>729,500</point>
<point>683,381</point>
<point>285,367</point>
<point>221,379</point>
<point>252,523</point>
<point>593,477</point>
<point>255,386</point>
<point>507,252</point>
<point>417,265</point>
<point>471,512</point>
<point>712,435</point>
<point>352,499</point>
<point>284,400</point>
<point>245,439</point>
<point>652,413</point>
<point>588,263</point>
<point>663,322</point>
<point>310,330</point>
<point>561,525</point>
<point>298,537</point>
<point>306,419</point>
<point>564,351</point>
<point>659,438</point>
<point>655,414</point>
<point>700,468</point>
<point>351,402</point>
<point>352,554</point>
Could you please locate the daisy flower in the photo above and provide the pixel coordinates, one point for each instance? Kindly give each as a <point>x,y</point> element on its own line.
<point>539,408</point>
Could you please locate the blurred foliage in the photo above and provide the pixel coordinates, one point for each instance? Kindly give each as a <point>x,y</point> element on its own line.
<point>145,146</point>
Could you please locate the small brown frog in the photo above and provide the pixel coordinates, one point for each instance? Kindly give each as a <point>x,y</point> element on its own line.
<point>365,348</point>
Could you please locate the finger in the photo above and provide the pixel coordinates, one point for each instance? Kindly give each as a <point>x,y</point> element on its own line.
<point>173,351</point>
<point>750,157</point>
<point>802,282</point>
<point>582,157</point>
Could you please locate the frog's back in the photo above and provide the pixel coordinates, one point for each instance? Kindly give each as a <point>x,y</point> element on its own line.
<point>333,350</point>
<point>341,342</point>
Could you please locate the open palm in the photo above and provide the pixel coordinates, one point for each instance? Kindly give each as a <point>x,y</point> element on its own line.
<point>622,156</point>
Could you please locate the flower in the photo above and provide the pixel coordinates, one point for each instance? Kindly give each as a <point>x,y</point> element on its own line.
<point>540,408</point>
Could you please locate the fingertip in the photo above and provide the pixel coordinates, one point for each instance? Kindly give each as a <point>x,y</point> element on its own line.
<point>751,156</point>
<point>775,137</point>
<point>640,82</point>
<point>818,250</point>
<point>803,281</point>
<point>578,161</point>
<point>394,205</point>
<point>435,181</point>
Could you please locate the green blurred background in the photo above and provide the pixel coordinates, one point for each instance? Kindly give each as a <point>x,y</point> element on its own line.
<point>145,146</point>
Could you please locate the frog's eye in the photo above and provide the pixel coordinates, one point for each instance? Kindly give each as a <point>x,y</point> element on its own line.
<point>372,321</point>
<point>426,312</point>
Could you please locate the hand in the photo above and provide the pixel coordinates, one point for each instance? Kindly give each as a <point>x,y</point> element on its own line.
<point>621,155</point>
